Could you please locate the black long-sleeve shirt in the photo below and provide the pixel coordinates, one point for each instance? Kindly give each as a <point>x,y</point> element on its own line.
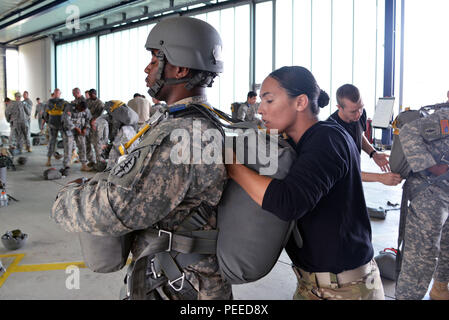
<point>323,191</point>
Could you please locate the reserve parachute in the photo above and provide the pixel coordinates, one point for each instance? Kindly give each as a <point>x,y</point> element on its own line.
<point>250,239</point>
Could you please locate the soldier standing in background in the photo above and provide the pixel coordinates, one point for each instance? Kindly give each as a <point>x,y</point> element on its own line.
<point>39,112</point>
<point>81,119</point>
<point>17,114</point>
<point>141,106</point>
<point>27,100</point>
<point>95,107</point>
<point>53,117</point>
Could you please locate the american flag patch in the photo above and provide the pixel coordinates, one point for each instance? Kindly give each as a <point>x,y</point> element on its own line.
<point>444,127</point>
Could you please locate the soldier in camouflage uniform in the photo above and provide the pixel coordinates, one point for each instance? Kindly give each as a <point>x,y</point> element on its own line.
<point>102,126</point>
<point>76,92</point>
<point>38,113</point>
<point>27,100</point>
<point>119,132</point>
<point>17,114</point>
<point>95,107</point>
<point>147,189</point>
<point>54,111</point>
<point>81,119</point>
<point>248,111</point>
<point>425,143</point>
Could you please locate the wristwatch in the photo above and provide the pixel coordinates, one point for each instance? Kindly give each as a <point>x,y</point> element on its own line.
<point>372,153</point>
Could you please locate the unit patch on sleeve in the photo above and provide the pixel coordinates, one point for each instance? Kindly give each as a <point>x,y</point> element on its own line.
<point>444,127</point>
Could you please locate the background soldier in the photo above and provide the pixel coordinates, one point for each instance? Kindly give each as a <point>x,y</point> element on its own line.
<point>39,113</point>
<point>76,92</point>
<point>81,118</point>
<point>147,189</point>
<point>29,103</point>
<point>17,114</point>
<point>53,117</point>
<point>120,132</point>
<point>425,143</point>
<point>95,107</point>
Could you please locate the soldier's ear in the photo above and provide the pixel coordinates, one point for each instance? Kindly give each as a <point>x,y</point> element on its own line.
<point>182,72</point>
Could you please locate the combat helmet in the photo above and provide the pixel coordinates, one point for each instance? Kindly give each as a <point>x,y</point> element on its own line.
<point>186,42</point>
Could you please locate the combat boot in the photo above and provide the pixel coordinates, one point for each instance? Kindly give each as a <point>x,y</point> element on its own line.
<point>85,168</point>
<point>29,149</point>
<point>48,164</point>
<point>74,157</point>
<point>91,164</point>
<point>439,291</point>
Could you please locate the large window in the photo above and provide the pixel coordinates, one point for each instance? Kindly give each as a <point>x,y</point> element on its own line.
<point>234,83</point>
<point>12,72</point>
<point>426,63</point>
<point>264,40</point>
<point>339,41</point>
<point>123,59</point>
<point>76,66</point>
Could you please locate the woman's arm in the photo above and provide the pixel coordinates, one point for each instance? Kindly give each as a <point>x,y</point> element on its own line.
<point>254,184</point>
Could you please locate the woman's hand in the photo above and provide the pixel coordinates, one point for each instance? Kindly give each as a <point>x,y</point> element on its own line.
<point>254,184</point>
<point>381,159</point>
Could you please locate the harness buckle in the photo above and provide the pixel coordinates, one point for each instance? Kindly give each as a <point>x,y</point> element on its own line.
<point>181,278</point>
<point>170,234</point>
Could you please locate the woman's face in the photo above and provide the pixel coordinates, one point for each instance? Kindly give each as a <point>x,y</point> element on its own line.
<point>278,110</point>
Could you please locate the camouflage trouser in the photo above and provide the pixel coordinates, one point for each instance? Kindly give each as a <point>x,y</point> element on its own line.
<point>426,241</point>
<point>68,147</point>
<point>40,121</point>
<point>367,288</point>
<point>92,140</point>
<point>53,133</point>
<point>12,136</point>
<point>81,144</point>
<point>21,134</point>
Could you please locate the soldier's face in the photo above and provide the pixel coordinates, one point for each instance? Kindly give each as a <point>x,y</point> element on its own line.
<point>252,100</point>
<point>25,95</point>
<point>350,111</point>
<point>278,110</point>
<point>151,69</point>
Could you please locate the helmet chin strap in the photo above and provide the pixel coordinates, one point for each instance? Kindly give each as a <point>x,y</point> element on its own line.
<point>160,82</point>
<point>203,79</point>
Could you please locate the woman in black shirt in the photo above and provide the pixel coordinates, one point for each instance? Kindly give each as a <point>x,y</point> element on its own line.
<point>322,191</point>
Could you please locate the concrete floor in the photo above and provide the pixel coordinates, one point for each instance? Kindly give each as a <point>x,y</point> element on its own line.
<point>41,273</point>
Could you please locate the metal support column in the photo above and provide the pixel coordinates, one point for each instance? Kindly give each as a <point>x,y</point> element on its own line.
<point>252,47</point>
<point>389,65</point>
